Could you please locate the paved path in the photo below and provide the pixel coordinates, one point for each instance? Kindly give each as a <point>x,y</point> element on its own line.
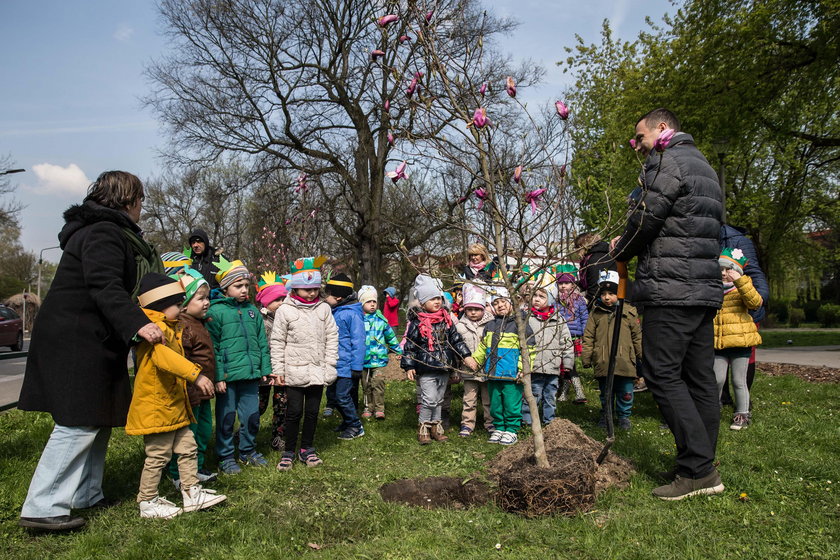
<point>11,377</point>
<point>801,355</point>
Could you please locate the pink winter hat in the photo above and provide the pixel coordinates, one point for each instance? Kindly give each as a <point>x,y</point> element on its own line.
<point>271,293</point>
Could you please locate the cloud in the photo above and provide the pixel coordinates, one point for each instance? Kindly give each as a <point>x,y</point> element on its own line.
<point>123,33</point>
<point>62,181</point>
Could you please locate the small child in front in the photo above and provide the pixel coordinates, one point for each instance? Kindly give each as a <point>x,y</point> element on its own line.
<point>499,353</point>
<point>242,360</point>
<point>379,338</point>
<point>159,410</point>
<point>571,304</point>
<point>432,343</point>
<point>735,331</point>
<point>271,291</point>
<point>597,341</point>
<point>471,327</point>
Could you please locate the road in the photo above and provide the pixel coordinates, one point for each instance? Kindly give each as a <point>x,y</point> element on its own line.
<point>11,376</point>
<point>828,356</point>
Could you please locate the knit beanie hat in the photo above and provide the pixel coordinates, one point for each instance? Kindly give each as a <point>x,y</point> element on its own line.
<point>473,296</point>
<point>339,285</point>
<point>191,281</point>
<point>547,283</point>
<point>566,273</point>
<point>306,273</point>
<point>367,293</point>
<point>732,258</point>
<point>230,272</point>
<point>270,287</point>
<point>425,288</point>
<point>608,280</point>
<point>498,292</point>
<point>391,291</point>
<point>158,291</point>
<point>174,262</point>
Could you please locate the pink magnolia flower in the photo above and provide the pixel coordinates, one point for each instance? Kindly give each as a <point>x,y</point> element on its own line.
<point>301,183</point>
<point>429,16</point>
<point>517,174</point>
<point>481,195</point>
<point>633,143</point>
<point>384,21</point>
<point>398,173</point>
<point>532,198</point>
<point>376,53</point>
<point>411,87</point>
<point>390,139</point>
<point>479,119</point>
<point>418,75</point>
<point>664,139</point>
<point>483,89</point>
<point>387,105</point>
<point>463,199</point>
<point>510,86</point>
<point>562,110</point>
<point>404,38</point>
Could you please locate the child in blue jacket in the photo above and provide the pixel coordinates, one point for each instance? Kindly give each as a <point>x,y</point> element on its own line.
<point>379,339</point>
<point>348,315</point>
<point>571,304</point>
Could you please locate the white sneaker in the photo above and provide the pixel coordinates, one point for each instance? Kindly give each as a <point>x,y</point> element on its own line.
<point>495,437</point>
<point>197,498</point>
<point>160,508</point>
<point>508,438</point>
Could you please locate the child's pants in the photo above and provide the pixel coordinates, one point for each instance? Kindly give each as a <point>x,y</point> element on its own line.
<point>373,385</point>
<point>241,399</point>
<point>432,389</point>
<point>506,404</point>
<point>472,389</point>
<point>159,449</point>
<point>202,432</point>
<point>544,387</point>
<point>278,405</point>
<point>622,395</point>
<point>302,401</point>
<point>345,388</point>
<point>739,360</point>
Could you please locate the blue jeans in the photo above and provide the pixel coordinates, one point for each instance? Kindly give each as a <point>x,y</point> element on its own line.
<point>344,396</point>
<point>242,399</point>
<point>69,474</point>
<point>622,395</point>
<point>544,387</point>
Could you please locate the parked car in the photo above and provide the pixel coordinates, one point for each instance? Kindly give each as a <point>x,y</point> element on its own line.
<point>11,329</point>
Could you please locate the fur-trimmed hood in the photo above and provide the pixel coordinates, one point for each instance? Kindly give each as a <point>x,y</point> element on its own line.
<point>80,215</point>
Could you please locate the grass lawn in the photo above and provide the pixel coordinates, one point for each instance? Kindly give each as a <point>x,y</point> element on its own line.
<point>799,337</point>
<point>787,464</point>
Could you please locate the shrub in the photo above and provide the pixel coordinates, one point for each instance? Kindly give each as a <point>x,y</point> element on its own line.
<point>779,308</point>
<point>811,307</point>
<point>796,316</point>
<point>771,321</point>
<point>829,315</point>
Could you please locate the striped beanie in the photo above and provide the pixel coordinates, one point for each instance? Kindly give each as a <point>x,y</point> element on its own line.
<point>174,262</point>
<point>230,272</point>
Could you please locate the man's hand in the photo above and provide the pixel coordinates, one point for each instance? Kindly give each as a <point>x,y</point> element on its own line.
<point>151,333</point>
<point>221,387</point>
<point>470,362</point>
<point>410,374</point>
<point>613,243</point>
<point>204,385</point>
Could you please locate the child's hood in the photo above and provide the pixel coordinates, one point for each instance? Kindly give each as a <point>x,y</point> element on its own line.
<point>376,315</point>
<point>352,307</point>
<point>160,319</point>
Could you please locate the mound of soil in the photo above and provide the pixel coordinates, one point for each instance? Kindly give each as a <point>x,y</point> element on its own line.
<point>436,492</point>
<point>812,374</point>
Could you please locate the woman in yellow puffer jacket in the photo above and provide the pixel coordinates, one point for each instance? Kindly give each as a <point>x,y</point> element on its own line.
<point>735,331</point>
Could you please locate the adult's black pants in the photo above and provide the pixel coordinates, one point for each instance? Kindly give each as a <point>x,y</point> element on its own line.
<point>678,353</point>
<point>302,401</point>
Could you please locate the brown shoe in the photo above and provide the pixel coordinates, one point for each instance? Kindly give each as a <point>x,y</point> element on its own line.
<point>436,431</point>
<point>423,434</point>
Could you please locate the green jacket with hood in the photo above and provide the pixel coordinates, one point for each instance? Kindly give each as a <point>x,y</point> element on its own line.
<point>239,340</point>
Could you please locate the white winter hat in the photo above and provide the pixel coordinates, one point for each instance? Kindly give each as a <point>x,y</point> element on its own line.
<point>426,288</point>
<point>473,296</point>
<point>367,293</point>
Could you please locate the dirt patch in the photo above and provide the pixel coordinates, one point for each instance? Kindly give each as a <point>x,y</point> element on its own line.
<point>437,492</point>
<point>812,374</point>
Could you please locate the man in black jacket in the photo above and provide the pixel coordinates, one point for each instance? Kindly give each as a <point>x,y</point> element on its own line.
<point>674,229</point>
<point>203,256</point>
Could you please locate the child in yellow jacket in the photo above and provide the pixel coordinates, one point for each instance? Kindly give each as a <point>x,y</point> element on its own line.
<point>735,331</point>
<point>160,410</point>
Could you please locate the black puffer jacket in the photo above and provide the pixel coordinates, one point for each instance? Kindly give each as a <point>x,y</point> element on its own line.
<point>596,259</point>
<point>448,346</point>
<point>675,230</point>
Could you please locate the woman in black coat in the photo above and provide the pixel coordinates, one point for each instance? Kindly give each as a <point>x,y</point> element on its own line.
<point>77,369</point>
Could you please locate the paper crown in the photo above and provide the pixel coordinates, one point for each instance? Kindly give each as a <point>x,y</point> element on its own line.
<point>733,256</point>
<point>225,266</point>
<point>191,281</point>
<point>270,278</point>
<point>174,261</point>
<point>307,264</point>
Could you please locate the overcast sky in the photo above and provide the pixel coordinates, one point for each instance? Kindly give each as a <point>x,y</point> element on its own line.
<point>72,77</point>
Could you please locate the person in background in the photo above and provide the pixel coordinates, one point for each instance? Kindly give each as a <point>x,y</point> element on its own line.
<point>204,256</point>
<point>379,338</point>
<point>271,291</point>
<point>391,307</point>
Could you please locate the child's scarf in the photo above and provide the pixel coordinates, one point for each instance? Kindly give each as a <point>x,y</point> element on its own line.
<point>427,322</point>
<point>476,268</point>
<point>304,302</point>
<point>542,314</point>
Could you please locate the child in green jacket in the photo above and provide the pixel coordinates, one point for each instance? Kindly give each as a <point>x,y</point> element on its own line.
<point>379,338</point>
<point>242,360</point>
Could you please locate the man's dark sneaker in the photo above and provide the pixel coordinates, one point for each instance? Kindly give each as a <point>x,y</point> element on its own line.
<point>352,433</point>
<point>58,523</point>
<point>624,424</point>
<point>683,487</point>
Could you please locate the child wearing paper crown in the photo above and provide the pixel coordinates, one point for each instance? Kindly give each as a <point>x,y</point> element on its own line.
<point>160,410</point>
<point>597,342</point>
<point>555,350</point>
<point>304,351</point>
<point>471,328</point>
<point>242,361</point>
<point>379,338</point>
<point>572,307</point>
<point>271,291</point>
<point>174,263</point>
<point>432,344</point>
<point>500,355</point>
<point>735,331</point>
<point>198,348</point>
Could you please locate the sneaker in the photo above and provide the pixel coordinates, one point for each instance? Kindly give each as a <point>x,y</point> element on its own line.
<point>624,424</point>
<point>287,461</point>
<point>253,459</point>
<point>495,437</point>
<point>379,415</point>
<point>581,400</point>
<point>228,466</point>
<point>309,458</point>
<point>205,475</point>
<point>508,438</point>
<point>684,487</point>
<point>740,421</point>
<point>352,433</point>
<point>278,443</point>
<point>197,498</point>
<point>466,431</point>
<point>367,414</point>
<point>159,508</point>
<point>328,412</point>
<point>639,386</point>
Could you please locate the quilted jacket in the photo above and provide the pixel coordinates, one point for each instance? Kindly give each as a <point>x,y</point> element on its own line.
<point>304,344</point>
<point>734,328</point>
